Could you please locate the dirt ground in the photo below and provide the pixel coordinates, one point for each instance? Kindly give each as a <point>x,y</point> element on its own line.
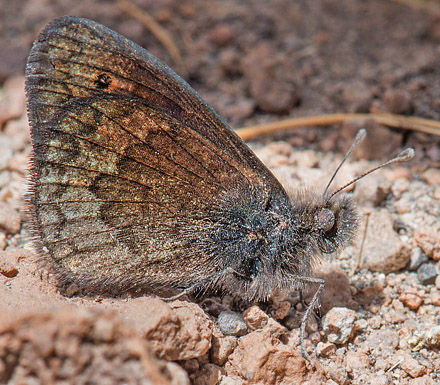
<point>254,62</point>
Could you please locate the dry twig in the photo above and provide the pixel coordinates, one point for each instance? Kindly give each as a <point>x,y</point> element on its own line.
<point>398,121</point>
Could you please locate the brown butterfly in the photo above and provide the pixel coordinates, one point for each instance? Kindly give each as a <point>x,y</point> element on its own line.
<point>137,184</point>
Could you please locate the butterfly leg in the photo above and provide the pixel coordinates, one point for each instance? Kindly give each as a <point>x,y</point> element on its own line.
<point>305,305</point>
<point>187,291</point>
<point>309,309</point>
<point>210,281</point>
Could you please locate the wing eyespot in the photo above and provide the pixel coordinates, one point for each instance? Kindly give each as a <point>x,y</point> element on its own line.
<point>103,81</point>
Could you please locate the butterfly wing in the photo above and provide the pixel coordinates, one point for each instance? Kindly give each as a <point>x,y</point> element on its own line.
<point>135,180</point>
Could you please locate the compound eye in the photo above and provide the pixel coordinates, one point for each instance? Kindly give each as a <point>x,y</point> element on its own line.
<point>326,220</point>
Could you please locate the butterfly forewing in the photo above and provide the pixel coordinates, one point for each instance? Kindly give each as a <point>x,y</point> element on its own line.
<point>130,169</point>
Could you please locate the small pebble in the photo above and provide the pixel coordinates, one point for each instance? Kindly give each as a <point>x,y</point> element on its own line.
<point>232,324</point>
<point>427,274</point>
<point>257,319</point>
<point>222,34</point>
<point>412,367</point>
<point>435,298</point>
<point>325,349</point>
<point>282,311</point>
<point>357,360</point>
<point>221,348</point>
<point>339,325</point>
<point>429,241</point>
<point>411,299</point>
<point>431,176</point>
<point>382,342</point>
<point>381,256</point>
<point>10,219</point>
<point>416,259</point>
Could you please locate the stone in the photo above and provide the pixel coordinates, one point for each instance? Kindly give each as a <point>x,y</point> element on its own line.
<point>177,330</point>
<point>382,342</point>
<point>380,255</point>
<point>3,241</point>
<point>226,380</point>
<point>14,101</point>
<point>6,152</point>
<point>379,143</point>
<point>435,298</point>
<point>437,282</point>
<point>412,367</point>
<point>357,361</point>
<point>357,96</point>
<point>212,307</point>
<point>229,61</point>
<point>337,289</point>
<point>10,261</point>
<point>209,374</point>
<point>416,259</point>
<point>282,310</point>
<point>431,176</point>
<point>257,319</point>
<point>232,323</point>
<point>78,346</point>
<point>7,267</point>
<point>372,191</point>
<point>337,372</point>
<point>427,274</point>
<point>379,379</point>
<point>424,380</point>
<point>260,358</point>
<point>72,289</point>
<point>325,349</point>
<point>339,325</point>
<point>429,241</point>
<point>179,376</point>
<point>221,347</point>
<point>10,219</point>
<point>411,299</point>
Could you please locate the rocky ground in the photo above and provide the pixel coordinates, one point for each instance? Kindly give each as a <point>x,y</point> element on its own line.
<point>256,62</point>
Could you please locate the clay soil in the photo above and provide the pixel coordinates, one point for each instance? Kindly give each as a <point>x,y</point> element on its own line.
<point>254,62</point>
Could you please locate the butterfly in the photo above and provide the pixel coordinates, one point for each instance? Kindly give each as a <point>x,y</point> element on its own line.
<point>136,184</point>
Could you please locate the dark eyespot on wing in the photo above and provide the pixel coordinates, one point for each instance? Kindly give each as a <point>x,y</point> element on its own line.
<point>103,81</point>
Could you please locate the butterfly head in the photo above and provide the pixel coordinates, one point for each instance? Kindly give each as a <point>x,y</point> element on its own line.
<point>335,223</point>
<point>335,218</point>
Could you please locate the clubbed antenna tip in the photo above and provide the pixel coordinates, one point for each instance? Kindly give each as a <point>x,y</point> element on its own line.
<point>405,155</point>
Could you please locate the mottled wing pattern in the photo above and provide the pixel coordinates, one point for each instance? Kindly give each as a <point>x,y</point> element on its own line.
<point>131,169</point>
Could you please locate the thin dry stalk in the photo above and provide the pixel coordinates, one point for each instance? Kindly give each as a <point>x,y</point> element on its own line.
<point>391,120</point>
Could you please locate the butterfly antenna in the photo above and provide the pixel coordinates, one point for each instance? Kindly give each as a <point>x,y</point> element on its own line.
<point>405,155</point>
<point>359,137</point>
